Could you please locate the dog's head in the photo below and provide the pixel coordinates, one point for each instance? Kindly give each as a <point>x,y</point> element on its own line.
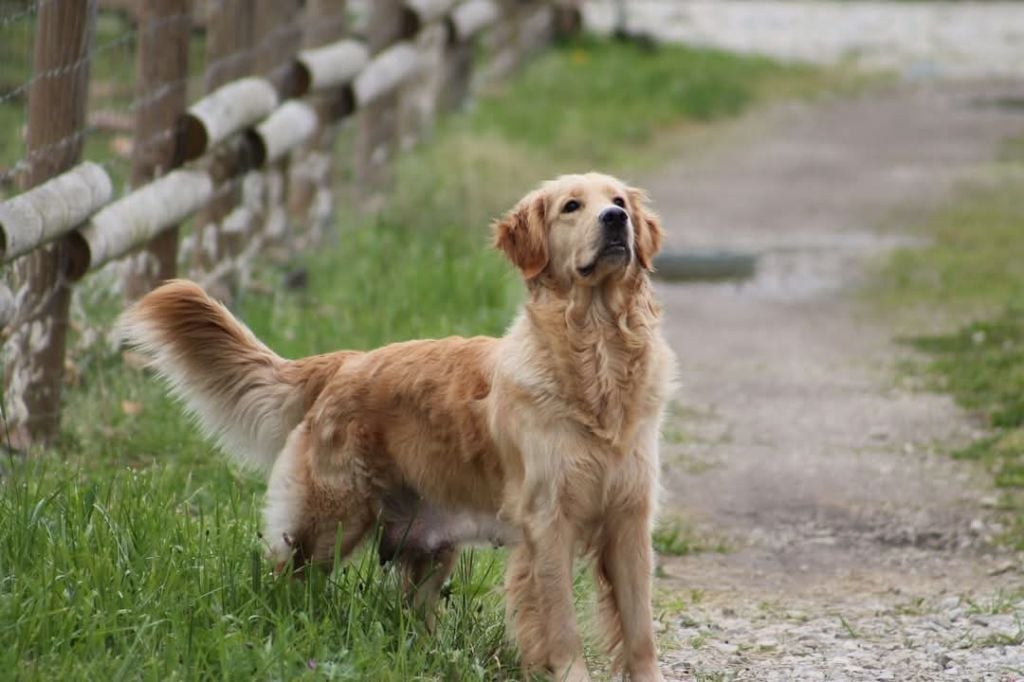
<point>580,230</point>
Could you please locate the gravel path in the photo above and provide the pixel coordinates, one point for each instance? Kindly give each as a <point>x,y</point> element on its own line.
<point>858,548</point>
<point>916,38</point>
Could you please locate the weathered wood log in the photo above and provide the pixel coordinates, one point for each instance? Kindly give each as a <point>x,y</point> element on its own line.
<point>334,65</point>
<point>388,71</point>
<point>52,209</point>
<point>225,111</point>
<point>292,124</point>
<point>141,215</point>
<point>471,17</point>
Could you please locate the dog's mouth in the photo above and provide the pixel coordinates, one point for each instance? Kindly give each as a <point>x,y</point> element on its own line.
<point>612,250</point>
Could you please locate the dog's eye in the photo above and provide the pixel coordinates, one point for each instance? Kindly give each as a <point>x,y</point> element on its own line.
<point>571,206</point>
<point>619,201</point>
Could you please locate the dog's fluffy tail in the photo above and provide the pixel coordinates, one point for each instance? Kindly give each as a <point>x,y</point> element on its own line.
<point>244,395</point>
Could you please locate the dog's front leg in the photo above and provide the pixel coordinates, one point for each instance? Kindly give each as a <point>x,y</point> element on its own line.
<point>540,603</point>
<point>625,563</point>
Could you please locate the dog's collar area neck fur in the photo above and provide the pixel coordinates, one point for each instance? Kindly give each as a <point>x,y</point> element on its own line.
<point>629,306</point>
<point>545,288</point>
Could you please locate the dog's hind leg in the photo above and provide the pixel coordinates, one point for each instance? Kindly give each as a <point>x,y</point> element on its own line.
<point>423,576</point>
<point>415,536</point>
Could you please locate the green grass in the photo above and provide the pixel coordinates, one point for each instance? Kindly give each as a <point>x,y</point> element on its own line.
<point>601,109</point>
<point>133,549</point>
<point>141,574</point>
<point>971,268</point>
<point>674,537</point>
<point>971,277</point>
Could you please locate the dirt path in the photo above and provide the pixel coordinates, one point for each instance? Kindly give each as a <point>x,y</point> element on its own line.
<point>858,545</point>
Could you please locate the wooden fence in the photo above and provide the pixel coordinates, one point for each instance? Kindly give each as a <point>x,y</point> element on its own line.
<point>249,162</point>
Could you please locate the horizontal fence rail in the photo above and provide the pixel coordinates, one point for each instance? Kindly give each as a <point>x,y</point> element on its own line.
<point>251,163</point>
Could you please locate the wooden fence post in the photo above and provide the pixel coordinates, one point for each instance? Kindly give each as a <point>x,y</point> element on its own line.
<point>378,122</point>
<point>568,18</point>
<point>325,21</point>
<point>229,39</point>
<point>161,98</point>
<point>420,99</point>
<point>538,28</point>
<point>309,191</point>
<point>466,23</point>
<point>278,33</point>
<point>502,41</point>
<point>525,26</point>
<point>34,362</point>
<point>457,72</point>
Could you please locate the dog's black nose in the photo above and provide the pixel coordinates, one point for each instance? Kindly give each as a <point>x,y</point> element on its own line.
<point>613,215</point>
<point>614,221</point>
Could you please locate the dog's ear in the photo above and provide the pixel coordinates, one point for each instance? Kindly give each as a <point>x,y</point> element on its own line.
<point>522,235</point>
<point>647,225</point>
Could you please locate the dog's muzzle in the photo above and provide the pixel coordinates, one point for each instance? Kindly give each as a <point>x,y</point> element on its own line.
<point>614,239</point>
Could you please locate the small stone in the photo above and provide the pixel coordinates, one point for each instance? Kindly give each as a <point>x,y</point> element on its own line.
<point>725,647</point>
<point>687,621</point>
<point>1003,568</point>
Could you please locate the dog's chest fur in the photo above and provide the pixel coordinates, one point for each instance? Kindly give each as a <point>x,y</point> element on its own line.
<point>604,360</point>
<point>592,382</point>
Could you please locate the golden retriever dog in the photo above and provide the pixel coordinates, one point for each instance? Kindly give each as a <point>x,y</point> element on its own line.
<point>545,439</point>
